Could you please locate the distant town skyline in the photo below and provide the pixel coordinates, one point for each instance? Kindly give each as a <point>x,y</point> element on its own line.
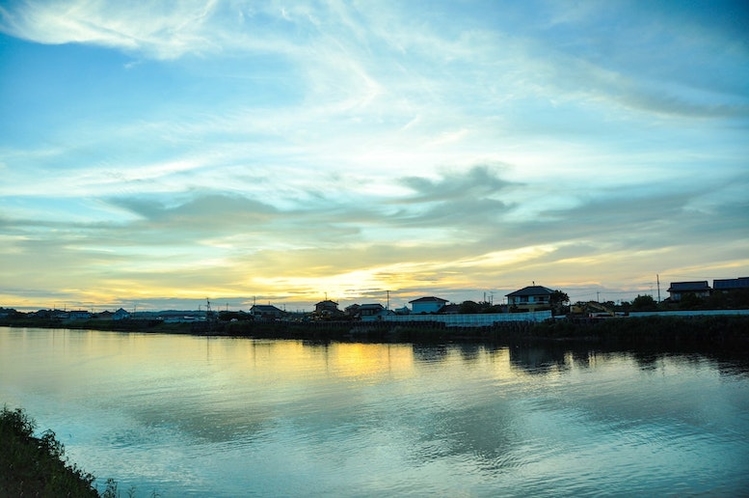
<point>387,299</point>
<point>172,152</point>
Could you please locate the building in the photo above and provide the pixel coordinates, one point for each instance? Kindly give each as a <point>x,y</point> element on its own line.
<point>121,314</point>
<point>327,310</point>
<point>730,284</point>
<point>352,310</point>
<point>327,306</point>
<point>79,315</point>
<point>450,309</point>
<point>530,298</point>
<point>266,312</point>
<point>678,290</point>
<point>428,304</point>
<point>369,312</point>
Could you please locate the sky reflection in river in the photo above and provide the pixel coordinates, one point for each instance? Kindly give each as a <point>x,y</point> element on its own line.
<point>197,416</point>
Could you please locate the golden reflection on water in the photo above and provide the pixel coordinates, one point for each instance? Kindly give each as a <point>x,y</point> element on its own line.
<point>207,416</point>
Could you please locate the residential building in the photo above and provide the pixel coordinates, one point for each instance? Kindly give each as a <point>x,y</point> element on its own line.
<point>450,309</point>
<point>327,306</point>
<point>352,310</point>
<point>678,290</point>
<point>266,312</point>
<point>428,304</point>
<point>731,284</point>
<point>79,315</point>
<point>121,314</point>
<point>530,298</point>
<point>327,310</point>
<point>369,312</point>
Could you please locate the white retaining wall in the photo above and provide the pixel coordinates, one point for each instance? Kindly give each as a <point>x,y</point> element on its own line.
<point>689,313</point>
<point>477,320</point>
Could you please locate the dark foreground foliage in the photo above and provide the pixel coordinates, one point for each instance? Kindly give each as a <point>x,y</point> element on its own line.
<point>36,466</point>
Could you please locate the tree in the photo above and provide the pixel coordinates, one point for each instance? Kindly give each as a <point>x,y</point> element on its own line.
<point>558,302</point>
<point>469,308</point>
<point>644,303</point>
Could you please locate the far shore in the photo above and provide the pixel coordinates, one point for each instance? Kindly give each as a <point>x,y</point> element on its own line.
<point>695,331</point>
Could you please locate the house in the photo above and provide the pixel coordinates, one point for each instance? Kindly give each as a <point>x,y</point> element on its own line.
<point>428,304</point>
<point>121,314</point>
<point>680,289</point>
<point>731,284</point>
<point>79,315</point>
<point>352,310</point>
<point>327,309</point>
<point>530,298</point>
<point>369,312</point>
<point>327,305</point>
<point>266,312</point>
<point>405,310</point>
<point>450,309</point>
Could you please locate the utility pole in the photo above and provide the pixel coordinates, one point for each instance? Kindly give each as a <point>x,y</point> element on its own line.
<point>387,307</point>
<point>658,281</point>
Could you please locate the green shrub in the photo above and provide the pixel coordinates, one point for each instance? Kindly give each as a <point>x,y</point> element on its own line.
<point>36,466</point>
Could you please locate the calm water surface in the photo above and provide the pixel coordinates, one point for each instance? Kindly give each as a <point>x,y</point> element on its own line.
<point>196,416</point>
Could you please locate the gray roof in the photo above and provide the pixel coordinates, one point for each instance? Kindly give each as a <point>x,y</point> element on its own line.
<point>695,286</point>
<point>532,290</point>
<point>429,299</point>
<point>371,307</point>
<point>268,308</point>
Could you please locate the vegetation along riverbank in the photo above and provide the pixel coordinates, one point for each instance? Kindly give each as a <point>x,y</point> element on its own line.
<point>36,465</point>
<point>705,330</point>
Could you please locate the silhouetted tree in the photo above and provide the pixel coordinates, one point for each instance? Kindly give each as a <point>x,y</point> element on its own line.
<point>469,308</point>
<point>559,301</point>
<point>644,303</point>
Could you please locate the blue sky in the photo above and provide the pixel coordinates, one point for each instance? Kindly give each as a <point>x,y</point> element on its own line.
<point>160,153</point>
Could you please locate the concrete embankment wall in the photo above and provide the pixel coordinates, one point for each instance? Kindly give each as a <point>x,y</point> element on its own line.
<point>690,313</point>
<point>478,320</point>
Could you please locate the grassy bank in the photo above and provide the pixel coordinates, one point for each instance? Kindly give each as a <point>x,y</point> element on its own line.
<point>36,466</point>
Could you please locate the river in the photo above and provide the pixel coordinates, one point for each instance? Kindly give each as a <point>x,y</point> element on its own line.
<point>195,416</point>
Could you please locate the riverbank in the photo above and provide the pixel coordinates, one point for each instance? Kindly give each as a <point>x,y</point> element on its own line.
<point>36,466</point>
<point>723,330</point>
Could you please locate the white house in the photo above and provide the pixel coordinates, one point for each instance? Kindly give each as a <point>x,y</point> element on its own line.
<point>429,304</point>
<point>530,298</point>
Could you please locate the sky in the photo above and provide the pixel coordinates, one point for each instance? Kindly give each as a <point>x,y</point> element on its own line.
<point>158,154</point>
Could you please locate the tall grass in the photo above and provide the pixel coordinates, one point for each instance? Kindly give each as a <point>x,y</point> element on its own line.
<point>37,466</point>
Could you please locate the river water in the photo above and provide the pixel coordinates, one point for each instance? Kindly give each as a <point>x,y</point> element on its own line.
<point>196,416</point>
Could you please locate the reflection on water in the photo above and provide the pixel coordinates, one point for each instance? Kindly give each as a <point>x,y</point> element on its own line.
<point>191,416</point>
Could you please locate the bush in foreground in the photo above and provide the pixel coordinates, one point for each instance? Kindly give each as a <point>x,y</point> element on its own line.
<point>35,466</point>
